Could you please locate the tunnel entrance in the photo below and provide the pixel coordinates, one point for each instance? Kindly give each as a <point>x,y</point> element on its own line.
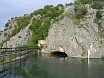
<point>58,54</point>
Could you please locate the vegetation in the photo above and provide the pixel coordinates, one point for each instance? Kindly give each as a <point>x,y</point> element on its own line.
<point>85,1</point>
<point>80,11</point>
<point>41,26</point>
<point>98,14</point>
<point>97,5</point>
<point>22,23</point>
<point>48,15</point>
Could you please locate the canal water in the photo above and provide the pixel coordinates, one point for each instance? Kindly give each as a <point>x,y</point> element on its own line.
<point>47,66</point>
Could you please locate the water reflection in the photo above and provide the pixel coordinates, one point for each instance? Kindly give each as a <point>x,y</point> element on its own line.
<point>96,68</point>
<point>9,70</point>
<point>22,69</point>
<point>46,66</point>
<point>72,67</point>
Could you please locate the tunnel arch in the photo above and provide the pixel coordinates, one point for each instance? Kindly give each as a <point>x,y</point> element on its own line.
<point>58,54</point>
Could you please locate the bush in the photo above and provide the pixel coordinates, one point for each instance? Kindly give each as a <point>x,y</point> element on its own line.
<point>97,5</point>
<point>5,34</point>
<point>98,14</point>
<point>80,11</point>
<point>6,25</point>
<point>85,1</point>
<point>40,26</point>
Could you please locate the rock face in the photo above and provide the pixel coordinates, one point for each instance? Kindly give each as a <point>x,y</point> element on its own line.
<point>12,24</point>
<point>19,39</point>
<point>77,39</point>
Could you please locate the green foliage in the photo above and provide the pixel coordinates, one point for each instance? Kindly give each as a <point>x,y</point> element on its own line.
<point>0,34</point>
<point>41,26</point>
<point>6,25</point>
<point>58,6</point>
<point>5,34</point>
<point>69,4</point>
<point>39,11</point>
<point>80,11</point>
<point>97,5</point>
<point>98,14</point>
<point>23,21</point>
<point>48,7</point>
<point>96,20</point>
<point>35,24</point>
<point>85,1</point>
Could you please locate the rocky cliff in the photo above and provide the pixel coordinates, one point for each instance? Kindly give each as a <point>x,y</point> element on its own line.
<point>76,28</point>
<point>10,38</point>
<point>28,29</point>
<point>78,37</point>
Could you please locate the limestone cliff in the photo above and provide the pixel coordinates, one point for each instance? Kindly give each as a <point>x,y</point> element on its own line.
<point>77,38</point>
<point>10,38</point>
<point>28,29</point>
<point>75,28</point>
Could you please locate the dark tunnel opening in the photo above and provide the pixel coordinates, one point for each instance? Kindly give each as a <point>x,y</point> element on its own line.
<point>58,54</point>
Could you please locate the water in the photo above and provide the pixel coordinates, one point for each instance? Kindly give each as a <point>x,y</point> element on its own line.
<point>46,66</point>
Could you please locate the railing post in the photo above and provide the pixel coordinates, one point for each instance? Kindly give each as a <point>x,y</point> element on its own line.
<point>14,54</point>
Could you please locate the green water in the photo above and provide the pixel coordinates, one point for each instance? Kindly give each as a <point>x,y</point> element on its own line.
<point>45,66</point>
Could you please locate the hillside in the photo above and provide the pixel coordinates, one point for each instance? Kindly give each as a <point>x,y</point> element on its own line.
<point>80,32</point>
<point>35,27</point>
<point>76,27</point>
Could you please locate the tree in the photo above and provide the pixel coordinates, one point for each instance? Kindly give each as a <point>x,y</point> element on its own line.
<point>85,1</point>
<point>80,11</point>
<point>97,5</point>
<point>98,14</point>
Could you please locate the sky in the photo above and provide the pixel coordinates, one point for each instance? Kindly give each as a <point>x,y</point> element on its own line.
<point>15,8</point>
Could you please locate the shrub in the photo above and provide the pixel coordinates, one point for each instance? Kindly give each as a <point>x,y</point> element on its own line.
<point>85,1</point>
<point>5,34</point>
<point>97,5</point>
<point>6,25</point>
<point>98,14</point>
<point>40,26</point>
<point>80,11</point>
<point>96,20</point>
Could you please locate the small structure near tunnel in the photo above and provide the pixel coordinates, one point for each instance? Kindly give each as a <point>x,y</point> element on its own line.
<point>42,45</point>
<point>41,42</point>
<point>61,49</point>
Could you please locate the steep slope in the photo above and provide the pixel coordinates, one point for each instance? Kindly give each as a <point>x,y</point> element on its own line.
<point>21,38</point>
<point>10,27</point>
<point>77,28</point>
<point>28,29</point>
<point>78,36</point>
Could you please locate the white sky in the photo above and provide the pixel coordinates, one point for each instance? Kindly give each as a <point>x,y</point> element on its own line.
<point>13,8</point>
